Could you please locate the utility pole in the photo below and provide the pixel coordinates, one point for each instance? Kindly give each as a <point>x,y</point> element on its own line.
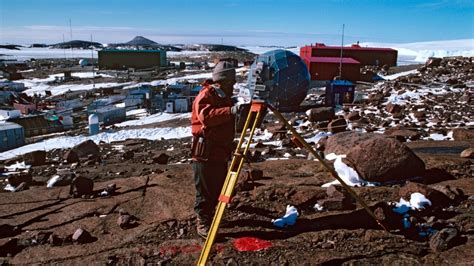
<point>70,32</point>
<point>92,63</point>
<point>342,45</point>
<point>64,50</point>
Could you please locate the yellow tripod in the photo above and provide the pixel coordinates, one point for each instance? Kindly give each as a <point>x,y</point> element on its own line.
<point>257,109</point>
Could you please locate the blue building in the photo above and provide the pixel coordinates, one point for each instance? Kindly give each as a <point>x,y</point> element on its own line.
<point>103,102</point>
<point>110,115</point>
<point>11,136</point>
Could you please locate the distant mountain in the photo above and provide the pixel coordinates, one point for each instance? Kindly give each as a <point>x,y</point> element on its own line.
<point>142,42</point>
<point>10,46</point>
<point>213,48</point>
<point>77,44</point>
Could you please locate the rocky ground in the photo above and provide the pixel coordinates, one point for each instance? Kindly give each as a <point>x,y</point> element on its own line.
<point>401,135</point>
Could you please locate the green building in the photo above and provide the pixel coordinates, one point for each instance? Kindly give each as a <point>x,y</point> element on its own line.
<point>139,59</point>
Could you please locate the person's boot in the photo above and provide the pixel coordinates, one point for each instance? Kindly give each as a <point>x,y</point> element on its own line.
<point>202,227</point>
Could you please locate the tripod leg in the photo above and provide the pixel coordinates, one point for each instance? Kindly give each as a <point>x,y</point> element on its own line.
<point>329,168</point>
<point>256,111</point>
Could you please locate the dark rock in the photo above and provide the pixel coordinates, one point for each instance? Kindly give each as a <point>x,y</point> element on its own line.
<point>433,62</point>
<point>269,151</point>
<point>128,155</point>
<point>375,157</point>
<point>256,156</point>
<point>437,198</point>
<point>336,203</point>
<point>9,247</point>
<point>463,134</point>
<point>443,239</point>
<point>452,81</point>
<point>338,125</point>
<point>42,237</point>
<point>287,143</point>
<point>126,221</point>
<point>87,148</point>
<point>454,194</point>
<point>18,178</point>
<point>393,108</point>
<point>256,174</point>
<point>7,230</point>
<point>335,191</point>
<point>54,240</point>
<point>306,196</point>
<point>35,158</point>
<point>81,236</point>
<point>111,188</point>
<point>71,156</point>
<point>337,199</point>
<point>467,153</point>
<point>320,114</point>
<point>81,186</point>
<point>161,158</point>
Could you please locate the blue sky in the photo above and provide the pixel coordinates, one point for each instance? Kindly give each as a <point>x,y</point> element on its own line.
<point>244,22</point>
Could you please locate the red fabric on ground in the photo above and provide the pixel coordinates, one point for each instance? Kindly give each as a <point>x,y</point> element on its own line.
<point>251,244</point>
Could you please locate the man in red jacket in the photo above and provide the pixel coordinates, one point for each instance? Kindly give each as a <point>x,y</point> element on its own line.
<point>213,129</point>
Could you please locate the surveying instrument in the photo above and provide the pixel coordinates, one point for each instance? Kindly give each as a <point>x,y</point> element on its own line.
<point>278,81</point>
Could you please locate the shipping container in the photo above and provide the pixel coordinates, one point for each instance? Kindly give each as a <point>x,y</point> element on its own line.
<point>110,115</point>
<point>11,136</point>
<point>339,92</point>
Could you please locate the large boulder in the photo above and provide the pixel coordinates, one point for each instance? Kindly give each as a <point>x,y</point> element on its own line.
<point>86,149</point>
<point>71,157</point>
<point>35,158</point>
<point>463,134</point>
<point>376,158</point>
<point>19,178</point>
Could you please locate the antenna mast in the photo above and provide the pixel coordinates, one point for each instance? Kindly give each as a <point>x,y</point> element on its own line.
<point>92,63</point>
<point>70,32</point>
<point>64,49</point>
<point>342,45</point>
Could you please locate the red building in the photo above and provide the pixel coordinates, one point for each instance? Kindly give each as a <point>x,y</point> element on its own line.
<point>327,68</point>
<point>367,56</point>
<point>323,61</point>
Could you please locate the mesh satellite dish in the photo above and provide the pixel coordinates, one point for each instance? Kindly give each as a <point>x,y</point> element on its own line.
<point>279,78</point>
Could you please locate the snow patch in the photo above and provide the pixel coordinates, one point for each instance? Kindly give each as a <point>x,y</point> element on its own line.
<point>65,142</point>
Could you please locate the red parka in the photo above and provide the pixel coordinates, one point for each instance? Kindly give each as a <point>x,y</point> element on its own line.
<point>212,119</point>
